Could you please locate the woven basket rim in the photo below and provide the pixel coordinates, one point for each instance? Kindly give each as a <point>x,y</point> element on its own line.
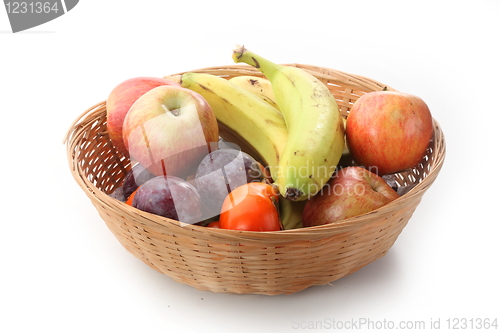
<point>276,236</point>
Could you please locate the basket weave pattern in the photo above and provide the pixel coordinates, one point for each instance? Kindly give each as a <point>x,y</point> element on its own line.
<point>246,262</point>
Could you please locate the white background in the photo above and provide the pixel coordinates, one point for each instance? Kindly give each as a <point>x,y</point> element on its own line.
<point>63,271</point>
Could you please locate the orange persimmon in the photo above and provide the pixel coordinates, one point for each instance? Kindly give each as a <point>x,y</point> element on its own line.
<point>251,207</point>
<point>130,198</point>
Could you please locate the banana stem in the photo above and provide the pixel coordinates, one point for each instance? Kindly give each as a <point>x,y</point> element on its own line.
<point>268,68</point>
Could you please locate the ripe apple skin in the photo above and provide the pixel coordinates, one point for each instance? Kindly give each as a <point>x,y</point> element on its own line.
<point>169,129</point>
<point>352,191</point>
<point>121,99</point>
<point>388,131</point>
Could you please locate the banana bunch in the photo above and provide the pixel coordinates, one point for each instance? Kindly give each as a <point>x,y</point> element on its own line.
<point>245,115</point>
<point>314,124</point>
<point>288,118</point>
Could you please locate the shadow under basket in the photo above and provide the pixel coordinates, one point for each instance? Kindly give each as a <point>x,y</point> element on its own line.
<point>245,262</point>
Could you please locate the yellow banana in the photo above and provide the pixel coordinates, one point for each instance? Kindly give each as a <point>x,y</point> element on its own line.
<point>244,115</point>
<point>257,85</point>
<point>291,213</point>
<point>174,77</point>
<point>315,127</point>
<point>345,151</point>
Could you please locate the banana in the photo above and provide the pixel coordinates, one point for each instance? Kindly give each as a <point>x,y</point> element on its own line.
<point>291,213</point>
<point>345,151</point>
<point>258,86</point>
<point>243,114</point>
<point>174,77</point>
<point>315,127</point>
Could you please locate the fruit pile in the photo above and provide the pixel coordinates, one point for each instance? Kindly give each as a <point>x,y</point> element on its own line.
<point>261,153</point>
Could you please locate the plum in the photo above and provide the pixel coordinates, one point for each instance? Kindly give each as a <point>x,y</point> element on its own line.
<point>137,176</point>
<point>118,194</point>
<point>171,197</point>
<point>224,144</point>
<point>221,171</point>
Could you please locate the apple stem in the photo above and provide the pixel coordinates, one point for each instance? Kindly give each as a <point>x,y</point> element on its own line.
<point>175,112</point>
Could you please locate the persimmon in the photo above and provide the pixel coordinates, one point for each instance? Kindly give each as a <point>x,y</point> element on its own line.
<point>130,198</point>
<point>251,207</point>
<point>214,224</point>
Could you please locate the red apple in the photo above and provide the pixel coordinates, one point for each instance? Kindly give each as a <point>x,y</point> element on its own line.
<point>169,130</point>
<point>388,131</point>
<point>352,191</point>
<point>121,99</point>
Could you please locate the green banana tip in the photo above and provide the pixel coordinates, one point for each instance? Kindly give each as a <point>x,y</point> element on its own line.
<point>238,52</point>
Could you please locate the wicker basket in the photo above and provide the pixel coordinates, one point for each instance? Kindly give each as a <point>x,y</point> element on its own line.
<point>246,262</point>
